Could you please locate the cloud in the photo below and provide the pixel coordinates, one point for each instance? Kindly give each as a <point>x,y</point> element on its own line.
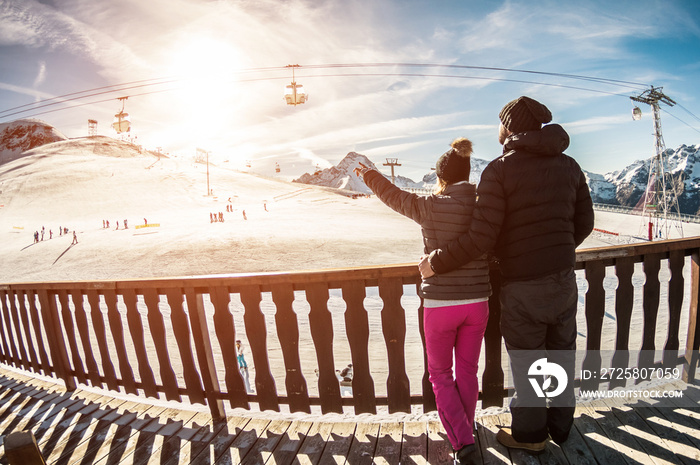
<point>41,74</point>
<point>596,124</point>
<point>531,32</point>
<point>25,90</point>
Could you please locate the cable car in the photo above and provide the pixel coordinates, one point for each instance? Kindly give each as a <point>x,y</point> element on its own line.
<point>294,94</point>
<point>122,121</point>
<point>277,168</point>
<point>636,113</point>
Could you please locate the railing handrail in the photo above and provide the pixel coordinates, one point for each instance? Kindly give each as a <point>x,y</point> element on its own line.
<point>337,275</point>
<point>50,325</point>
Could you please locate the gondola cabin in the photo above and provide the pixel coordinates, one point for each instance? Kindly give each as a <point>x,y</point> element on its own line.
<point>636,113</point>
<point>294,94</point>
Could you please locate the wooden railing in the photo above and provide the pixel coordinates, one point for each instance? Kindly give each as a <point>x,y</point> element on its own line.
<point>169,338</point>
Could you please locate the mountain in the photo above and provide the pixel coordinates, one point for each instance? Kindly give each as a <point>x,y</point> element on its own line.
<point>23,138</point>
<point>342,176</point>
<point>625,187</point>
<point>18,136</point>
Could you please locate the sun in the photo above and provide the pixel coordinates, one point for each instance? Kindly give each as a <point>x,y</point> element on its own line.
<point>205,70</point>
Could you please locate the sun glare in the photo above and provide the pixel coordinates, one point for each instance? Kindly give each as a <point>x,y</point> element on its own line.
<point>205,69</point>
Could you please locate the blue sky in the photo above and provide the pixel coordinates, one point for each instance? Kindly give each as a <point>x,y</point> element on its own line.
<point>225,66</point>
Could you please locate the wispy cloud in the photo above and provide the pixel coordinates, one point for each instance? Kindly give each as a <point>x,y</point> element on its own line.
<point>41,74</point>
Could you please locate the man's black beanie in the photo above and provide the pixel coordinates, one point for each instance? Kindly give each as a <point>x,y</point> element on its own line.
<point>524,114</point>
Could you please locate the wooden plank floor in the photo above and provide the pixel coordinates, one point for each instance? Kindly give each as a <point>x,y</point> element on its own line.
<point>82,428</point>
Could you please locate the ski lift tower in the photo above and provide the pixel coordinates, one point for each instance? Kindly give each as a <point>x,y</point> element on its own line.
<point>392,162</point>
<point>660,200</point>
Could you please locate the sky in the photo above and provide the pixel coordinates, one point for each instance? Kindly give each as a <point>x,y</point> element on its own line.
<point>385,78</point>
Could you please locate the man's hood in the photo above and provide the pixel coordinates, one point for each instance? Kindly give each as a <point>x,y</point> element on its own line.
<point>552,139</point>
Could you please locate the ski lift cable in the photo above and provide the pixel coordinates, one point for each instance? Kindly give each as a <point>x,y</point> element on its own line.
<point>687,111</point>
<point>147,83</point>
<point>674,116</point>
<point>111,88</point>
<point>458,76</point>
<point>485,68</point>
<point>169,80</point>
<point>121,89</point>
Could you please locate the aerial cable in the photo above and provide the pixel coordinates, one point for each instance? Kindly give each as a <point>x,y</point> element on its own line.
<point>114,88</point>
<point>674,116</point>
<point>75,96</point>
<point>267,78</point>
<point>688,111</point>
<point>485,68</point>
<point>169,80</point>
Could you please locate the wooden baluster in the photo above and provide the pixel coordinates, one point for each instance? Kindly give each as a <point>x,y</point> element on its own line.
<point>181,329</point>
<point>157,326</point>
<point>226,335</point>
<point>205,354</point>
<point>36,324</point>
<point>117,329</point>
<point>133,319</point>
<point>24,316</point>
<point>70,334</point>
<point>624,303</point>
<point>493,380</point>
<point>676,285</point>
<point>357,329</point>
<point>24,360</point>
<point>93,371</point>
<point>692,354</point>
<point>54,334</point>
<point>650,304</point>
<point>394,330</point>
<point>288,334</point>
<point>8,340</point>
<point>257,338</point>
<point>321,326</point>
<point>595,312</point>
<point>98,326</point>
<point>5,352</point>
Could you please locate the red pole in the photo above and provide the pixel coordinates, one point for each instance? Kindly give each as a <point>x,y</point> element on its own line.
<point>651,231</point>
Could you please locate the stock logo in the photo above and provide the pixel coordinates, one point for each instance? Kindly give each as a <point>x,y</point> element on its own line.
<point>546,370</point>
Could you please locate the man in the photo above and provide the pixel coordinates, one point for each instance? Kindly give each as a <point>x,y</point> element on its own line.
<point>533,209</point>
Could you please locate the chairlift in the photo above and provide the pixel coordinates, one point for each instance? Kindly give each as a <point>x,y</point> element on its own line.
<point>122,121</point>
<point>294,93</point>
<point>277,168</point>
<point>636,113</point>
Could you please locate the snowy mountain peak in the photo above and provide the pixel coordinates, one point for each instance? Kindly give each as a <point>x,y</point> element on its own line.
<point>21,135</point>
<point>342,176</point>
<point>625,187</point>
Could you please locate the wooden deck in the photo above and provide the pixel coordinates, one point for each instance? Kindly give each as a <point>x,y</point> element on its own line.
<point>80,428</point>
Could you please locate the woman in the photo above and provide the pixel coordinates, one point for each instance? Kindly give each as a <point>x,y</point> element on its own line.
<point>456,303</point>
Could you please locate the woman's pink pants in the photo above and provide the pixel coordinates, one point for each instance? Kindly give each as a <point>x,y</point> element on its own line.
<point>455,333</point>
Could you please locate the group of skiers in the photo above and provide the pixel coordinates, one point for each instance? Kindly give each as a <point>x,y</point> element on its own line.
<point>105,224</point>
<point>219,217</point>
<point>39,236</point>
